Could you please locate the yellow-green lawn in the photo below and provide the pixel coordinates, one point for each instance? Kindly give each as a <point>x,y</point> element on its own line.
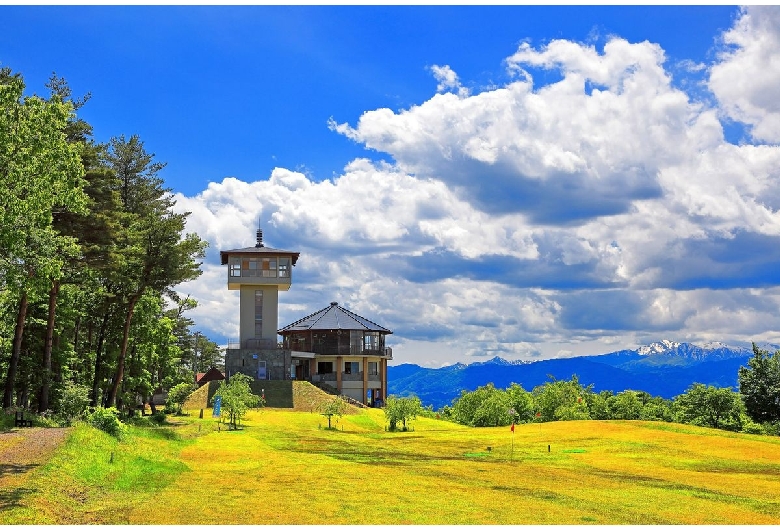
<point>285,468</point>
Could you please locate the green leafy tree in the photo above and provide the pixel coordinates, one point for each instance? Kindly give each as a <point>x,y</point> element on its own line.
<point>598,405</point>
<point>481,407</point>
<point>402,409</point>
<point>625,405</point>
<point>562,400</point>
<point>237,398</point>
<point>40,173</point>
<point>74,399</point>
<point>77,132</point>
<point>759,386</point>
<point>493,410</point>
<point>709,406</point>
<point>177,396</point>
<point>333,407</point>
<point>522,402</point>
<point>154,355</point>
<point>657,409</point>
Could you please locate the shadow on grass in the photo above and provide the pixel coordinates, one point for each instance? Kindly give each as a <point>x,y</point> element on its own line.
<point>15,469</point>
<point>12,498</point>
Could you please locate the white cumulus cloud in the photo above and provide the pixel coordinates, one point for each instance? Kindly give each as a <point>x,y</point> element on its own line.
<point>527,220</point>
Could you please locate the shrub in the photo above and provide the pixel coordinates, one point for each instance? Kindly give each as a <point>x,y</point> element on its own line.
<point>770,428</point>
<point>751,427</point>
<point>47,418</point>
<point>107,420</point>
<point>73,402</point>
<point>158,417</point>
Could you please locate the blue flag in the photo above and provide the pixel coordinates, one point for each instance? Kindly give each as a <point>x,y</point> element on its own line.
<point>217,406</point>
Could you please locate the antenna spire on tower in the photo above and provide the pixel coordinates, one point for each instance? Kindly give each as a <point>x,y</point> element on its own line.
<point>259,235</point>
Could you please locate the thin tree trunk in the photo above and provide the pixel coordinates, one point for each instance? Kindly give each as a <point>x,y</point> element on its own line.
<point>76,326</point>
<point>43,403</point>
<point>89,334</point>
<point>120,369</point>
<point>99,360</point>
<point>16,351</point>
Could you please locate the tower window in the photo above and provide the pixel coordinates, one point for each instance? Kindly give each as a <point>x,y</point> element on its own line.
<point>284,267</point>
<point>235,268</point>
<point>258,314</point>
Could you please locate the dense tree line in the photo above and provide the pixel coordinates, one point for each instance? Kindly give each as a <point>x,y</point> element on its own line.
<point>91,250</point>
<point>755,408</point>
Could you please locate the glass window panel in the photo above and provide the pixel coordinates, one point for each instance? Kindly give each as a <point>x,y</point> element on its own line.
<point>371,340</point>
<point>325,367</point>
<point>284,267</point>
<point>351,367</point>
<point>355,342</point>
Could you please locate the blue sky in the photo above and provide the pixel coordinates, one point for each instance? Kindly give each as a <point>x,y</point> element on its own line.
<point>529,182</point>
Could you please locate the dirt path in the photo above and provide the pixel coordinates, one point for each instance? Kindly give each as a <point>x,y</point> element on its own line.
<point>21,451</point>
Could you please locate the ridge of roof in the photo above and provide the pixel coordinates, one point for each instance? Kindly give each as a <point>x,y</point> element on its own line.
<point>313,319</point>
<point>359,318</point>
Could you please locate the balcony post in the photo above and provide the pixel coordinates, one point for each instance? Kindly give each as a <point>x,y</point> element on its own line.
<point>365,380</point>
<point>383,377</point>
<point>339,368</point>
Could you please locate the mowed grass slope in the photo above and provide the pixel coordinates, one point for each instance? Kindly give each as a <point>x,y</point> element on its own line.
<point>285,468</point>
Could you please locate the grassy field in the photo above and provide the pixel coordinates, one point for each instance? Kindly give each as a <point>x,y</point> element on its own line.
<point>285,468</point>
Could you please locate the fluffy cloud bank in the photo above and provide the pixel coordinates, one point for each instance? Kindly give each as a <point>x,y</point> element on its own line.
<point>604,208</point>
<point>746,78</point>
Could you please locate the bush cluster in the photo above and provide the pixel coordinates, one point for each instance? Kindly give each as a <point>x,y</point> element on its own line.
<point>703,405</point>
<point>107,420</point>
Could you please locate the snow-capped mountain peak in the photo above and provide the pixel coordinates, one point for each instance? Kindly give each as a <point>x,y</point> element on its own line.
<point>709,351</point>
<point>664,346</point>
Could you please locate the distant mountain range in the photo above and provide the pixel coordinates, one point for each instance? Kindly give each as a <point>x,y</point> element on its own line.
<point>664,368</point>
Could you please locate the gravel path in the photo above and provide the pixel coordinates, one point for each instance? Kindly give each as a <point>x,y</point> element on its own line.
<point>22,450</point>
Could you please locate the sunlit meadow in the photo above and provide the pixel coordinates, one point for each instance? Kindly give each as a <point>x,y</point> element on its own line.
<point>284,467</point>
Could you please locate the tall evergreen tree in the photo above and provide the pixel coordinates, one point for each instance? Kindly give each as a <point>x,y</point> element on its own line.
<point>158,255</point>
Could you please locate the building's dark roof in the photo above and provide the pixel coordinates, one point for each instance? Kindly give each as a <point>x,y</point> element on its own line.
<point>333,317</point>
<point>223,254</point>
<point>212,375</point>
